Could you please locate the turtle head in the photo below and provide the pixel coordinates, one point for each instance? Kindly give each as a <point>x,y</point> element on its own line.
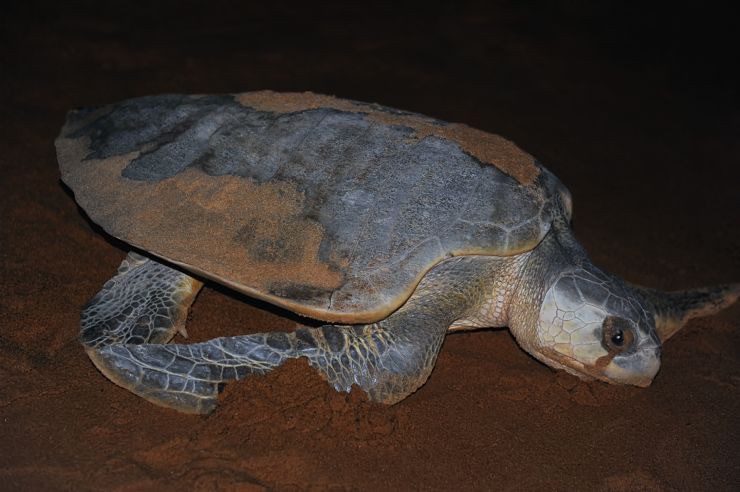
<point>572,316</point>
<point>596,327</point>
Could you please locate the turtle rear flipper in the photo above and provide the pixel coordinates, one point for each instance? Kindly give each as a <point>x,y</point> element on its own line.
<point>145,302</point>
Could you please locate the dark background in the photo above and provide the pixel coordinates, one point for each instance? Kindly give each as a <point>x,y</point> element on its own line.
<point>634,105</point>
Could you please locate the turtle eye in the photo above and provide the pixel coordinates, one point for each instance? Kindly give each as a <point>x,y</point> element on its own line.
<point>618,338</point>
<point>618,335</point>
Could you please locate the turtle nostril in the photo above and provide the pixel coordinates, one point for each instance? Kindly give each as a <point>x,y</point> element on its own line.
<point>658,344</point>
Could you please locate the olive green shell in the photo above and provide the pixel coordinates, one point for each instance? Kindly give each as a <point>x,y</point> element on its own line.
<point>331,208</point>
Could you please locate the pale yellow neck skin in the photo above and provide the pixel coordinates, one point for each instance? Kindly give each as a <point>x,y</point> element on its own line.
<point>518,284</point>
<point>514,292</point>
<point>495,305</point>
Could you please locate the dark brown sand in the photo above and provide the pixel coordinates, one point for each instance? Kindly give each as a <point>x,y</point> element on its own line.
<point>637,112</point>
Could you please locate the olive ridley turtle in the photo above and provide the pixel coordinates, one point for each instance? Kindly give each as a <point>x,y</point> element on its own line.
<point>393,227</point>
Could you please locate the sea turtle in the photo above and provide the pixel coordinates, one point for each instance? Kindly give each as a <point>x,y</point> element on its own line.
<point>398,226</point>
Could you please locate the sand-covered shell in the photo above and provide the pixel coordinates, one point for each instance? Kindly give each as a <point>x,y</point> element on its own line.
<point>332,208</point>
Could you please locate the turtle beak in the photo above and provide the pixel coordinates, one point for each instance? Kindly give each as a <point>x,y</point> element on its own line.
<point>638,368</point>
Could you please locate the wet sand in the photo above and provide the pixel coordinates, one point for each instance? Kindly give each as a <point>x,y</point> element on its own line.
<point>636,112</point>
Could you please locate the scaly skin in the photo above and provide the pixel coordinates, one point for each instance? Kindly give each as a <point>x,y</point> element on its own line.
<point>389,359</point>
<point>146,302</point>
<point>561,309</point>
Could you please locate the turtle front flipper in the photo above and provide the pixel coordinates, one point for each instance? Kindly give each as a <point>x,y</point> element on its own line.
<point>386,360</point>
<point>188,378</point>
<point>672,310</point>
<point>389,359</point>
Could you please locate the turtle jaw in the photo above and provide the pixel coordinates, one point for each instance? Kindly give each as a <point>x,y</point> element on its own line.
<point>638,369</point>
